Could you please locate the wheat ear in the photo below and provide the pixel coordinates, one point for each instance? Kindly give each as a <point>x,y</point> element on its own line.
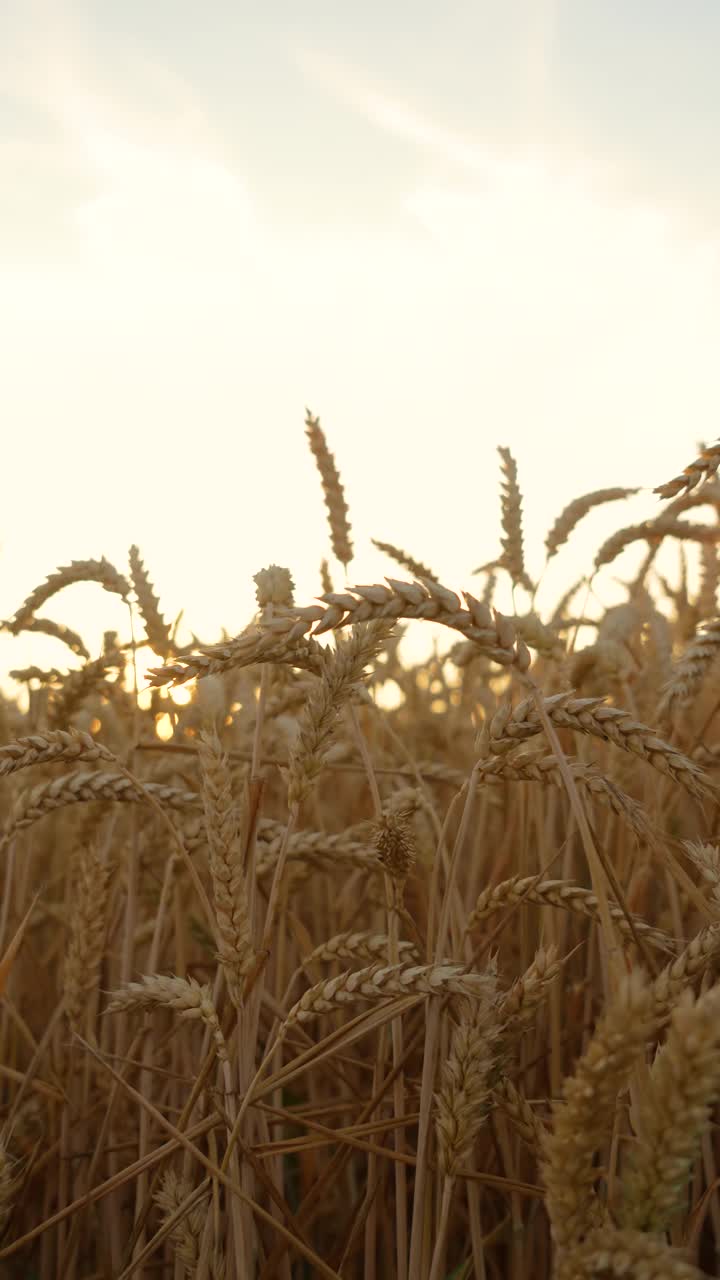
<point>628,1255</point>
<point>157,629</point>
<point>365,948</point>
<point>46,748</point>
<point>698,956</point>
<point>415,567</point>
<point>513,557</point>
<point>46,627</point>
<point>593,716</point>
<point>462,1101</point>
<point>286,643</point>
<point>226,865</point>
<point>87,935</point>
<point>341,670</point>
<point>574,512</point>
<point>100,571</point>
<point>387,982</point>
<point>673,1113</point>
<point>691,669</point>
<point>185,996</point>
<point>186,1234</point>
<point>583,1120</point>
<point>332,488</point>
<point>702,468</point>
<point>76,686</point>
<point>566,895</point>
<point>651,531</point>
<point>493,634</point>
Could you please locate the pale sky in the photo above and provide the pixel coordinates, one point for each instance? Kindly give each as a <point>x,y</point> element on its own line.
<point>443,227</point>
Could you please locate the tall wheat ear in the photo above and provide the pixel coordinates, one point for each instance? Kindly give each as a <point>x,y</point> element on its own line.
<point>583,1121</point>
<point>672,1114</point>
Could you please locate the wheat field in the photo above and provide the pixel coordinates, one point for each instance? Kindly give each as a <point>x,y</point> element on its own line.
<point>318,962</point>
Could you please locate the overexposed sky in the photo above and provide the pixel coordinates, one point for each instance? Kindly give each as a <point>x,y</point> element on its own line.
<point>442,227</point>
